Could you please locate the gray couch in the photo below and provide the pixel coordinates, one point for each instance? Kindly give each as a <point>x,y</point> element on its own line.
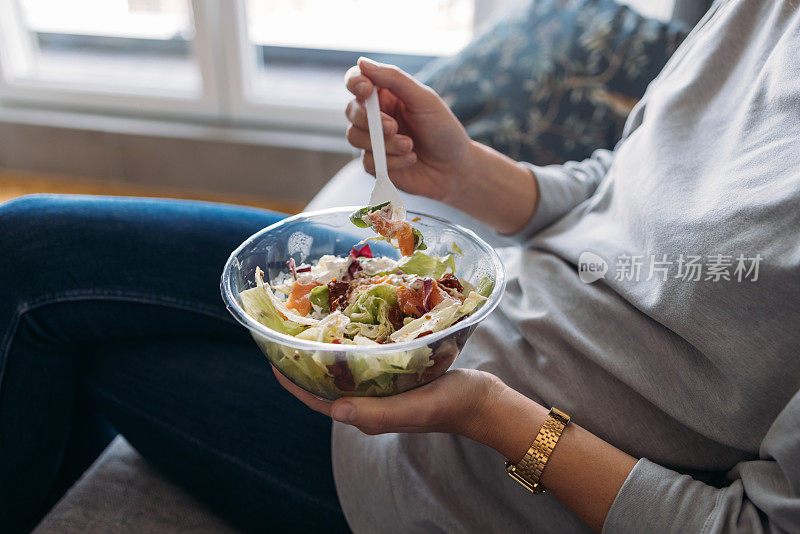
<point>121,494</point>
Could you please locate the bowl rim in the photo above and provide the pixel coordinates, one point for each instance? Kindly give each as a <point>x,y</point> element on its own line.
<point>232,303</point>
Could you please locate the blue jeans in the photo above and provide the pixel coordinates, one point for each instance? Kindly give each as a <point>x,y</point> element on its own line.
<point>111,321</point>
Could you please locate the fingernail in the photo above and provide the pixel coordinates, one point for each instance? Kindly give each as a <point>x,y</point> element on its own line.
<point>410,158</point>
<point>367,64</point>
<point>344,412</point>
<point>387,126</point>
<point>404,144</point>
<point>362,88</point>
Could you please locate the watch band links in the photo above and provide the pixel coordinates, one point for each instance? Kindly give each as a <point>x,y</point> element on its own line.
<point>528,471</point>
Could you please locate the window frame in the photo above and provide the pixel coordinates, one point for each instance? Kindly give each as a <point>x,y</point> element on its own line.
<point>15,43</point>
<point>225,58</point>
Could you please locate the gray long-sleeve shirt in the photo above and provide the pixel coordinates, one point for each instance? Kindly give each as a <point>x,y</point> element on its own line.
<point>696,374</point>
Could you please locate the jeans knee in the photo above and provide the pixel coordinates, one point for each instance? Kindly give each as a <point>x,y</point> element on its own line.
<point>22,209</point>
<point>27,219</point>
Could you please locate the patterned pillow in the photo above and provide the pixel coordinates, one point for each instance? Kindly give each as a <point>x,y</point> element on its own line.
<point>555,79</point>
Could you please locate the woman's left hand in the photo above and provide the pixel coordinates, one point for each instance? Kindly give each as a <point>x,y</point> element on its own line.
<point>454,403</point>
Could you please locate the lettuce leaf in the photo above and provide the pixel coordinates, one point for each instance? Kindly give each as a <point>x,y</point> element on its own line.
<point>357,217</point>
<point>279,305</point>
<point>442,316</point>
<point>331,327</point>
<point>258,304</point>
<point>369,331</point>
<point>419,241</point>
<point>319,298</point>
<point>422,265</point>
<point>450,261</point>
<point>471,303</point>
<point>485,286</point>
<point>372,305</point>
<point>381,368</point>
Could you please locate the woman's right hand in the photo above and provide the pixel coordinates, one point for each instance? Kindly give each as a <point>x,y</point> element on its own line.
<point>427,148</point>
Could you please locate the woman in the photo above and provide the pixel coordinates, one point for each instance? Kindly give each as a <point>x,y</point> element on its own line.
<point>682,384</point>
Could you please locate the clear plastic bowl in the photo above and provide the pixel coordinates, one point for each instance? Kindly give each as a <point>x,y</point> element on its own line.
<point>308,236</point>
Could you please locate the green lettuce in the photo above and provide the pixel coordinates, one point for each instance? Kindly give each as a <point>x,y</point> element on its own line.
<point>258,304</point>
<point>310,371</point>
<point>357,217</point>
<point>485,286</point>
<point>377,371</point>
<point>331,327</point>
<point>473,301</point>
<point>319,298</point>
<point>422,265</point>
<point>419,241</point>
<point>372,305</point>
<point>450,261</point>
<point>370,331</point>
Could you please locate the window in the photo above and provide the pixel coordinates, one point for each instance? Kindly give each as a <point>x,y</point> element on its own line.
<point>237,61</point>
<point>302,47</point>
<point>136,44</point>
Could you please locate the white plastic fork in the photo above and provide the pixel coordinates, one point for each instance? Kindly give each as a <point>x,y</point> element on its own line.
<point>383,190</point>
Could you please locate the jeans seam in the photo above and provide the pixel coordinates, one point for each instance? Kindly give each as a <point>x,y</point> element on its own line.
<point>76,295</point>
<point>220,454</point>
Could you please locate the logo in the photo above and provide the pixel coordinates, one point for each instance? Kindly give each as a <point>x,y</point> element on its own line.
<point>591,267</point>
<point>299,244</point>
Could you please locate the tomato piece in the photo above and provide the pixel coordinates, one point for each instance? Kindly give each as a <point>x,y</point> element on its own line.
<point>299,297</point>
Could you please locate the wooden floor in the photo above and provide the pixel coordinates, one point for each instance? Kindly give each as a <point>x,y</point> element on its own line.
<point>17,183</point>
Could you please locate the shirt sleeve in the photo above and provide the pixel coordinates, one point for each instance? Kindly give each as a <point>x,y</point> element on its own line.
<point>562,187</point>
<point>764,494</point>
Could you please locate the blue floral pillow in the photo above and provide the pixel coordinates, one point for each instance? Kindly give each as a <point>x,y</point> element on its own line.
<point>555,79</point>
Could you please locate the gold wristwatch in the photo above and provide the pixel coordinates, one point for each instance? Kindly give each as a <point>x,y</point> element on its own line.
<point>528,471</point>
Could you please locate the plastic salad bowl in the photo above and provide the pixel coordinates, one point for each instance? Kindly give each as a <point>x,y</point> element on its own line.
<point>384,369</point>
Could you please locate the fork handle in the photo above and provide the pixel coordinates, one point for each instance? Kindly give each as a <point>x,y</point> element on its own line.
<point>376,134</point>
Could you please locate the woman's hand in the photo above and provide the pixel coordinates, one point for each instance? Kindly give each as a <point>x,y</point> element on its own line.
<point>429,153</point>
<point>427,148</point>
<point>584,472</point>
<point>456,403</point>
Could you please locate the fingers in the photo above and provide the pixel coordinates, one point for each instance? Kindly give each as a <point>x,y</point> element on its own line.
<point>357,83</point>
<point>397,145</point>
<point>393,163</point>
<point>409,412</point>
<point>356,113</point>
<point>315,403</point>
<point>400,83</point>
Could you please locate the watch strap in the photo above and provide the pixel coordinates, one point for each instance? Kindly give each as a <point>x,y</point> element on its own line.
<point>528,471</point>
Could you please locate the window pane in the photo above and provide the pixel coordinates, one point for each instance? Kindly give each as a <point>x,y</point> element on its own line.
<point>304,46</point>
<point>121,45</point>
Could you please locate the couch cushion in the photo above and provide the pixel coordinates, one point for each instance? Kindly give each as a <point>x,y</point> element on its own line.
<point>122,494</point>
<point>554,80</point>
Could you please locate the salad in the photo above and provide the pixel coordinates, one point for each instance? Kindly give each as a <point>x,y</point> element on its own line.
<point>363,300</point>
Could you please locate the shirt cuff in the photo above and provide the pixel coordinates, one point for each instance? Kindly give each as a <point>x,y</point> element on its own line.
<point>656,499</point>
<point>557,196</point>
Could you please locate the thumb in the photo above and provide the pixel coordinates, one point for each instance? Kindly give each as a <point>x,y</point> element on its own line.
<point>415,95</point>
<point>384,414</point>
